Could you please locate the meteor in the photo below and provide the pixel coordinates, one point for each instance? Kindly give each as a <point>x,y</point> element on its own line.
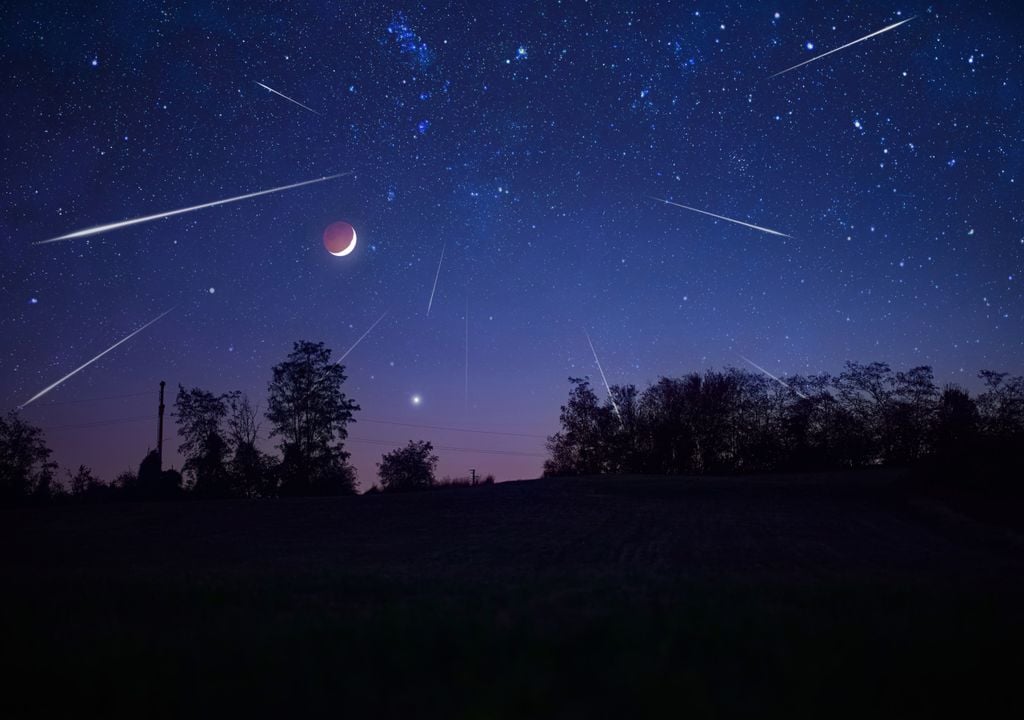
<point>436,276</point>
<point>338,361</point>
<point>74,372</point>
<point>136,221</point>
<point>843,47</point>
<point>720,217</point>
<point>369,330</point>
<point>603,378</point>
<point>780,382</point>
<point>286,97</point>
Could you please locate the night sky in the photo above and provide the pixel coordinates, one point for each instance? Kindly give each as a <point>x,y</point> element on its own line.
<point>527,140</point>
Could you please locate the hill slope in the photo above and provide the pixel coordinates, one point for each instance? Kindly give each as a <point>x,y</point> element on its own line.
<point>566,597</point>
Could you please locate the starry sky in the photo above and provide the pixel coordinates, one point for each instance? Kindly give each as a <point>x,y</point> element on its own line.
<point>526,140</point>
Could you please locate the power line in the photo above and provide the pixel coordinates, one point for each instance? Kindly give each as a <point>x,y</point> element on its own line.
<point>448,448</point>
<point>95,399</point>
<point>368,441</point>
<point>98,423</point>
<point>453,429</point>
<point>387,443</point>
<point>365,420</point>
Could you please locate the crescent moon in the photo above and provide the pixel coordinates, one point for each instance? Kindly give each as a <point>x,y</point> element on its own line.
<point>349,249</point>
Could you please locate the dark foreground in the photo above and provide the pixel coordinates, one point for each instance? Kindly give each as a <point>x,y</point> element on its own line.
<point>814,596</point>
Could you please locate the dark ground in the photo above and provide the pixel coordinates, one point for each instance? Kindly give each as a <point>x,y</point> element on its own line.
<point>816,596</point>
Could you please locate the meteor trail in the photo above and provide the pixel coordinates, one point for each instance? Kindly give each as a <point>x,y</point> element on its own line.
<point>74,372</point>
<point>720,217</point>
<point>369,330</point>
<point>436,276</point>
<point>338,361</point>
<point>780,382</point>
<point>286,97</point>
<point>843,47</point>
<point>136,221</point>
<point>603,378</point>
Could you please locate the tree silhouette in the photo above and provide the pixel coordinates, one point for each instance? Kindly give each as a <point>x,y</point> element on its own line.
<point>86,487</point>
<point>251,470</point>
<point>579,447</point>
<point>154,483</point>
<point>309,413</point>
<point>82,482</point>
<point>738,421</point>
<point>200,415</point>
<point>910,416</point>
<point>1001,406</point>
<point>1001,421</point>
<point>25,466</point>
<point>956,429</point>
<point>670,443</point>
<point>408,468</point>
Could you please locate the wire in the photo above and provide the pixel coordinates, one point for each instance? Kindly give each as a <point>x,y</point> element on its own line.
<point>367,441</point>
<point>95,399</point>
<point>448,448</point>
<point>98,423</point>
<point>453,429</point>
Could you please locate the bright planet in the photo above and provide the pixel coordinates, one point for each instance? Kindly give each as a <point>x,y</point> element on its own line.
<point>340,238</point>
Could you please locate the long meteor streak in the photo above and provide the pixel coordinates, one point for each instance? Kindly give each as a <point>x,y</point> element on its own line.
<point>286,97</point>
<point>368,331</point>
<point>776,379</point>
<point>136,221</point>
<point>436,276</point>
<point>600,369</point>
<point>722,217</point>
<point>843,47</point>
<point>77,370</point>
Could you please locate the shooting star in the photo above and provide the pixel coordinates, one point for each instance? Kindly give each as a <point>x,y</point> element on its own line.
<point>265,87</point>
<point>361,337</point>
<point>136,221</point>
<point>773,377</point>
<point>467,353</point>
<point>77,370</point>
<point>345,355</point>
<point>607,387</point>
<point>843,47</point>
<point>436,276</point>
<point>721,217</point>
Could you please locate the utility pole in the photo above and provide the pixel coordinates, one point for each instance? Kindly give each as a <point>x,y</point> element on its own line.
<point>472,476</point>
<point>160,428</point>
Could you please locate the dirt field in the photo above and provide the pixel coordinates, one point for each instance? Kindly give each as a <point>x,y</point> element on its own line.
<point>838,594</point>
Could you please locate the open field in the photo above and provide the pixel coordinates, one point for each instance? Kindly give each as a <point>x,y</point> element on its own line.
<point>835,594</point>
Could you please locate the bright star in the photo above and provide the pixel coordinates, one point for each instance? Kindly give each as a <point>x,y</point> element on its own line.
<point>416,399</point>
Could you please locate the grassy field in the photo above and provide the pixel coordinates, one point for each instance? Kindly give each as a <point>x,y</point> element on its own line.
<point>810,595</point>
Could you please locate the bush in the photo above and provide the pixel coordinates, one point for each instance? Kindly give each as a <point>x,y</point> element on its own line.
<point>408,468</point>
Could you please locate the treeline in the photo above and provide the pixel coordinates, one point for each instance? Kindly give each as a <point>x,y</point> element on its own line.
<point>308,414</point>
<point>737,421</point>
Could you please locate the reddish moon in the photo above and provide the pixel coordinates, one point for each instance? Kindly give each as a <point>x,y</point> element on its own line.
<point>340,238</point>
